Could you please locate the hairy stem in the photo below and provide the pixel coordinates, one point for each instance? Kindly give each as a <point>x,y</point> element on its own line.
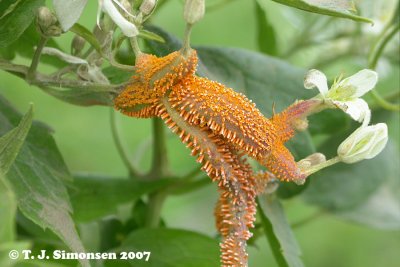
<point>158,170</point>
<point>36,58</point>
<point>135,46</point>
<point>133,173</point>
<point>43,80</point>
<point>160,160</point>
<point>318,167</point>
<point>186,40</point>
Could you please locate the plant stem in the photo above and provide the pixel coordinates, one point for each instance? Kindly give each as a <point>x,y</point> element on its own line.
<point>375,54</point>
<point>158,170</point>
<point>159,160</point>
<point>384,103</point>
<point>133,173</point>
<point>36,58</point>
<point>43,80</point>
<point>318,167</point>
<point>380,45</point>
<point>192,174</point>
<point>154,207</point>
<point>135,46</point>
<point>186,40</point>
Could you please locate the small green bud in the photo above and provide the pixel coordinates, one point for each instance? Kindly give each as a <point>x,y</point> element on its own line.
<point>126,6</point>
<point>147,6</point>
<point>194,10</point>
<point>47,23</point>
<point>77,44</point>
<point>311,160</point>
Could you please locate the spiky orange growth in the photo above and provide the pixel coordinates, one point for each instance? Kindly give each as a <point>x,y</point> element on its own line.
<point>160,74</point>
<point>219,126</point>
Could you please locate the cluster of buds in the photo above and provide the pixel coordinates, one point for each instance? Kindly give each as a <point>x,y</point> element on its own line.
<point>368,140</point>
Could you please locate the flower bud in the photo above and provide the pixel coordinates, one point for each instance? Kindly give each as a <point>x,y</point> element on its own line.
<point>364,143</point>
<point>193,11</point>
<point>311,160</point>
<point>77,44</point>
<point>47,22</point>
<point>147,6</point>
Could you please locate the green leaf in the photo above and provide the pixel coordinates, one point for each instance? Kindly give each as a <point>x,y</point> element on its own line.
<point>37,177</point>
<point>8,209</point>
<point>15,23</point>
<point>88,190</point>
<point>150,36</point>
<point>278,232</point>
<point>68,12</point>
<point>344,187</point>
<point>87,35</point>
<point>117,76</point>
<point>171,248</point>
<point>11,142</point>
<point>10,145</point>
<point>381,210</point>
<point>82,97</point>
<point>266,36</point>
<point>335,8</point>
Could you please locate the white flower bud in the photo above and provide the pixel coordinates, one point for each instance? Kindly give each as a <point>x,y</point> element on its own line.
<point>311,160</point>
<point>194,10</point>
<point>147,6</point>
<point>364,143</point>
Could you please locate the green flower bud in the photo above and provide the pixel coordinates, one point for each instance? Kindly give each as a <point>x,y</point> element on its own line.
<point>147,6</point>
<point>194,10</point>
<point>77,44</point>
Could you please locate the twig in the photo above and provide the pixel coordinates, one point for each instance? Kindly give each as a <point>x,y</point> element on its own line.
<point>158,171</point>
<point>375,54</point>
<point>133,173</point>
<point>36,58</point>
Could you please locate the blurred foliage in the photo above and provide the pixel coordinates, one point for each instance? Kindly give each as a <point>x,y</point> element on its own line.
<point>107,207</point>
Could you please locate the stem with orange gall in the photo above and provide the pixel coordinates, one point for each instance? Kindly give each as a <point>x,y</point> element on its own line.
<point>236,208</point>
